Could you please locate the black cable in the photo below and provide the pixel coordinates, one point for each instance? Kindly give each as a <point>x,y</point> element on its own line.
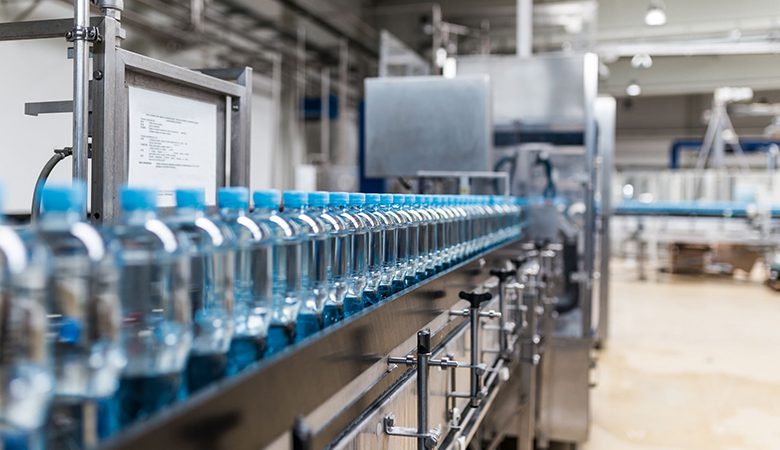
<point>59,155</point>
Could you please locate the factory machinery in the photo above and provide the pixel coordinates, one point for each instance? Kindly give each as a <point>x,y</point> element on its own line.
<point>493,352</point>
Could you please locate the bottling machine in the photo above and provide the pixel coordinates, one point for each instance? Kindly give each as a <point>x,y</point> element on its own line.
<point>494,352</point>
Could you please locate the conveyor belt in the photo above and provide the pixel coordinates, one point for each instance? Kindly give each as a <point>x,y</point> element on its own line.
<point>737,210</point>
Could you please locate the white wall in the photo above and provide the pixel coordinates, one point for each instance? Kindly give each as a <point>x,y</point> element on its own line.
<point>39,71</point>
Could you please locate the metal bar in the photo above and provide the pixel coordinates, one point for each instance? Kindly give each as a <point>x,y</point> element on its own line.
<point>422,395</point>
<point>605,112</point>
<point>35,108</point>
<point>80,92</point>
<point>109,133</point>
<point>524,28</point>
<point>474,379</point>
<point>180,75</point>
<point>38,29</point>
<point>590,88</point>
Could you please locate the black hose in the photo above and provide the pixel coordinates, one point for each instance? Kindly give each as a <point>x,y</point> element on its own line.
<point>59,155</point>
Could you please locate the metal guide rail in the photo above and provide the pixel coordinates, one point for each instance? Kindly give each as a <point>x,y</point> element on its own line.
<point>318,394</point>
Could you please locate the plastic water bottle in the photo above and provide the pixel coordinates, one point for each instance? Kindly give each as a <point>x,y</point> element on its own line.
<point>358,225</point>
<point>390,226</point>
<point>329,275</point>
<point>25,370</point>
<point>308,231</point>
<point>156,310</point>
<point>346,227</point>
<point>416,269</point>
<point>403,222</point>
<point>285,271</point>
<point>211,253</point>
<point>84,316</point>
<point>252,283</point>
<point>376,248</point>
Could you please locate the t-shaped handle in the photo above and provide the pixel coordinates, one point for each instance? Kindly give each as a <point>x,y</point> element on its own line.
<point>475,299</point>
<point>502,274</point>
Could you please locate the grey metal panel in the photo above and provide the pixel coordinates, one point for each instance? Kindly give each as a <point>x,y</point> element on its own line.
<point>564,400</point>
<point>427,123</point>
<point>538,91</point>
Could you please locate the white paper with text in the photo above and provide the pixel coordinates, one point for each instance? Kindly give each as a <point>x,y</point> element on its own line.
<point>173,143</point>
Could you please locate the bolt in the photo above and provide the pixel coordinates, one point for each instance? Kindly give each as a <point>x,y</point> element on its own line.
<point>98,74</point>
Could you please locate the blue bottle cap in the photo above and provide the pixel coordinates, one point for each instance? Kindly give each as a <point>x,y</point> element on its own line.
<point>399,199</point>
<point>138,199</point>
<point>294,199</point>
<point>386,199</point>
<point>267,198</point>
<point>373,199</point>
<point>194,198</point>
<point>339,199</point>
<point>233,197</point>
<point>357,199</point>
<point>319,199</point>
<point>409,199</point>
<point>61,198</point>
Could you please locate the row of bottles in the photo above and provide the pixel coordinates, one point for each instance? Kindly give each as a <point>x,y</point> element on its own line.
<point>101,328</point>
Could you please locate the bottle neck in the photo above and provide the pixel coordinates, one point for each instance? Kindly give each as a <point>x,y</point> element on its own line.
<point>190,212</point>
<point>57,219</point>
<point>138,216</point>
<point>232,212</point>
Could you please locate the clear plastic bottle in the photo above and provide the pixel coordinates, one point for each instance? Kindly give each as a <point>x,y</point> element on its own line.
<point>390,226</point>
<point>309,232</point>
<point>285,240</point>
<point>156,310</point>
<point>25,367</point>
<point>425,268</point>
<point>252,282</point>
<point>84,316</point>
<point>376,247</point>
<point>358,226</point>
<point>330,270</point>
<point>402,222</point>
<point>211,253</point>
<point>415,223</point>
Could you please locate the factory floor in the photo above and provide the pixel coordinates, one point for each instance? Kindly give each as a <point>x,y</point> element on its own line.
<point>691,363</point>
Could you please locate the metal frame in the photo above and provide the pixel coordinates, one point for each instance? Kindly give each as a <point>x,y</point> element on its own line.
<point>114,69</point>
<point>605,117</point>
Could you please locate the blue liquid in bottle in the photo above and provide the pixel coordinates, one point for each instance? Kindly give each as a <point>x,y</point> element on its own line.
<point>252,282</point>
<point>25,369</point>
<point>85,281</point>
<point>156,320</point>
<point>211,252</point>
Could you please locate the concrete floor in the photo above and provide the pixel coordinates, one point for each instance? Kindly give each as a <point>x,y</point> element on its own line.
<point>692,363</point>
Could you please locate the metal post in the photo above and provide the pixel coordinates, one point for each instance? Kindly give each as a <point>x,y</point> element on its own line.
<point>474,379</point>
<point>325,116</point>
<point>80,91</point>
<point>524,31</point>
<point>423,355</point>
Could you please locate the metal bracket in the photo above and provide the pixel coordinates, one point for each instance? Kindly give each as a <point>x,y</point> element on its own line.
<point>429,439</point>
<point>89,34</point>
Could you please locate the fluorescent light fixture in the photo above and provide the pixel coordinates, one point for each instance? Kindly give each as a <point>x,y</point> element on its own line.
<point>656,14</point>
<point>633,89</point>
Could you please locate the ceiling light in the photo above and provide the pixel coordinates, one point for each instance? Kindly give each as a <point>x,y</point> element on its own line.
<point>633,89</point>
<point>642,61</point>
<point>656,14</point>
